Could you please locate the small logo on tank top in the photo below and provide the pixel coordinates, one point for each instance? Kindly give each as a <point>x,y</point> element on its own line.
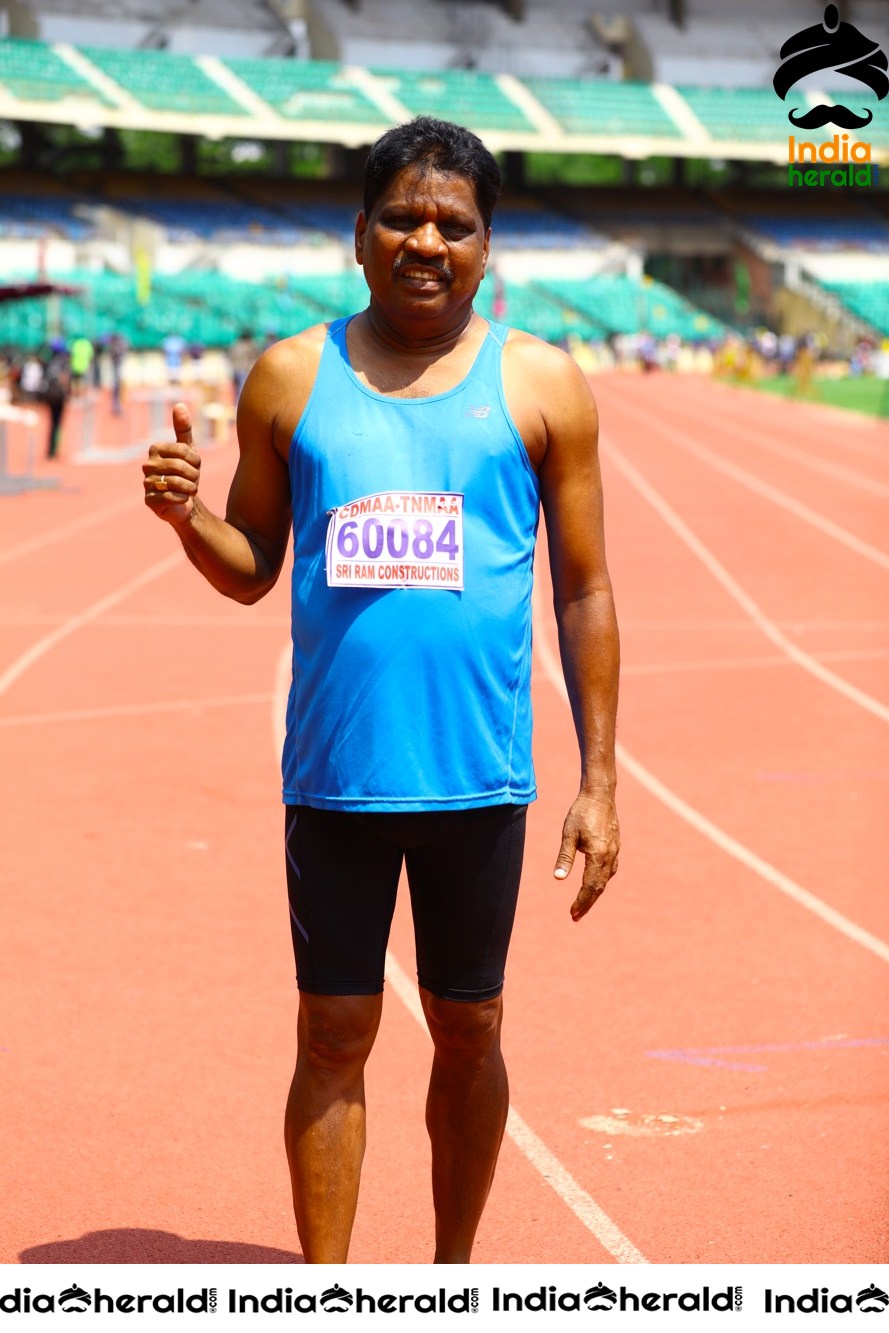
<point>480,412</point>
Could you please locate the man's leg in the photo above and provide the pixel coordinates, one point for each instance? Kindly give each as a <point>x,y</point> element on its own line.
<point>464,884</point>
<point>342,881</point>
<point>324,1126</point>
<point>466,1111</point>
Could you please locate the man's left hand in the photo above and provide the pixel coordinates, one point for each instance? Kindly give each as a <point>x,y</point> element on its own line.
<point>590,827</point>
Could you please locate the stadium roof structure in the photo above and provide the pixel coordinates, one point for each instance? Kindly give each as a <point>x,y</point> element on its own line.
<point>275,98</point>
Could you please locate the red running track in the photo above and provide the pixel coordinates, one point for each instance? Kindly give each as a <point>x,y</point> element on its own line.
<point>699,1069</point>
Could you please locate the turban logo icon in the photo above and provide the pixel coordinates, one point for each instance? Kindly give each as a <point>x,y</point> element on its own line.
<point>835,46</point>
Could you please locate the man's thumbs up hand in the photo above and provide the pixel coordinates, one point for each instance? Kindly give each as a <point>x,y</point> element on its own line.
<point>172,471</point>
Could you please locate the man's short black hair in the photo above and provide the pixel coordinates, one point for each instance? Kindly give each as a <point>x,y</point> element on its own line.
<point>440,146</point>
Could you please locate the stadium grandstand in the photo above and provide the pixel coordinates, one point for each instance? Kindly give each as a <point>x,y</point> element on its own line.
<point>192,166</point>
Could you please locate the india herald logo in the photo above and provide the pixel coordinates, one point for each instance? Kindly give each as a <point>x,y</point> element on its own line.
<point>600,1297</point>
<point>336,1299</point>
<point>76,1299</point>
<point>841,47</point>
<point>872,1299</point>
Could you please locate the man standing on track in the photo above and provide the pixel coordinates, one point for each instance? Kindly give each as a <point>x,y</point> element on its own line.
<point>410,448</point>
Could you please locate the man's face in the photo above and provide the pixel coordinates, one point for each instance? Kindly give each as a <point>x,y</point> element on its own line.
<point>424,246</point>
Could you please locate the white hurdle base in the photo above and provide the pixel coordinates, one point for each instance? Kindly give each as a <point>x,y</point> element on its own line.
<point>14,483</point>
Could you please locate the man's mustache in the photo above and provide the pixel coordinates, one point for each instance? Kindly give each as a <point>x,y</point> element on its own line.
<point>830,115</point>
<point>402,261</point>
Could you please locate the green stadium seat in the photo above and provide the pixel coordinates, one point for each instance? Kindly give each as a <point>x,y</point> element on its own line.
<point>603,107</point>
<point>751,115</point>
<point>35,72</point>
<point>619,304</point>
<point>163,81</point>
<point>468,96</point>
<point>868,301</point>
<point>307,90</point>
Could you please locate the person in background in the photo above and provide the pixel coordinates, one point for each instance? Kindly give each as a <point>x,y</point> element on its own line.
<point>174,348</point>
<point>241,354</point>
<point>116,347</point>
<point>55,390</point>
<point>81,353</point>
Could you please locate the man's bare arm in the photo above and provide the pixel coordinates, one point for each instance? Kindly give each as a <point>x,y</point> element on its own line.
<point>241,554</point>
<point>571,491</point>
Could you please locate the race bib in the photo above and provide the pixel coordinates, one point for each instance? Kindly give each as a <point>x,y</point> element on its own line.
<point>397,539</point>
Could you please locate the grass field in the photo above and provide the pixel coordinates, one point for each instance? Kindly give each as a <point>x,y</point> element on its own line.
<point>858,393</point>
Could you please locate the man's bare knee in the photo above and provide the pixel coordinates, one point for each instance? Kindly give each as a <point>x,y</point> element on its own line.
<point>461,1031</point>
<point>337,1032</point>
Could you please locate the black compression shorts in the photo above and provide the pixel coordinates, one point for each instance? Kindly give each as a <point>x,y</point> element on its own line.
<point>463,869</point>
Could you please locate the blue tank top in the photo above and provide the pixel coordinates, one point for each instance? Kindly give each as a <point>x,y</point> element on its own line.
<point>415,521</point>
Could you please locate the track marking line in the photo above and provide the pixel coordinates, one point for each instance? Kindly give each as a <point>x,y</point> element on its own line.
<point>160,621</point>
<point>745,663</point>
<point>769,405</point>
<point>74,623</point>
<point>822,465</point>
<point>534,1149</point>
<point>133,710</point>
<point>711,1055</point>
<point>702,824</point>
<point>528,1143</point>
<point>737,593</point>
<point>65,530</point>
<point>763,488</point>
<point>735,623</point>
<point>858,425</point>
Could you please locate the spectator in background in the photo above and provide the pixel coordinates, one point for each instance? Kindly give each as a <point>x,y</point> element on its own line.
<point>55,390</point>
<point>861,360</point>
<point>116,347</point>
<point>647,350</point>
<point>30,376</point>
<point>786,352</point>
<point>804,368</point>
<point>241,354</point>
<point>81,353</point>
<point>173,347</point>
<point>44,378</point>
<point>96,368</point>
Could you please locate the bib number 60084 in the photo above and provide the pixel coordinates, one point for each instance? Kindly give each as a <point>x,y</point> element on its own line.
<point>398,538</point>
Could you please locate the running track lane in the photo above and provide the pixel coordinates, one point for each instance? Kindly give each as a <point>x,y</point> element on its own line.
<point>702,1057</point>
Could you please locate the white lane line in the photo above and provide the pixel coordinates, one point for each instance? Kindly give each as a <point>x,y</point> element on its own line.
<point>823,465</point>
<point>745,663</point>
<point>74,623</point>
<point>582,1205</point>
<point>759,487</point>
<point>532,1148</point>
<point>737,593</point>
<point>133,710</point>
<point>857,426</point>
<point>686,623</point>
<point>162,620</point>
<point>702,824</point>
<point>65,530</point>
